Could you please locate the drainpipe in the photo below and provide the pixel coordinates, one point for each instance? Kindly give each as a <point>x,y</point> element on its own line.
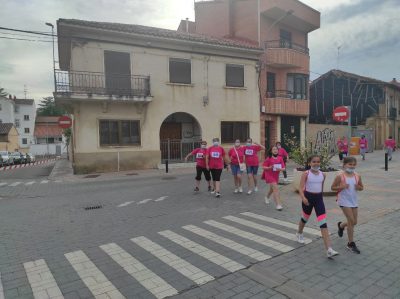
<point>187,25</point>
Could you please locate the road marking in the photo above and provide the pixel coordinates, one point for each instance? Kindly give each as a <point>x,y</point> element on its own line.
<point>30,183</point>
<point>255,254</point>
<point>208,254</point>
<point>41,280</point>
<point>250,236</point>
<point>144,201</point>
<point>1,289</point>
<point>161,198</point>
<point>3,184</point>
<point>44,182</point>
<point>93,278</point>
<point>14,184</point>
<point>180,265</point>
<point>125,204</point>
<point>282,223</point>
<point>58,181</point>
<point>151,281</point>
<point>267,229</point>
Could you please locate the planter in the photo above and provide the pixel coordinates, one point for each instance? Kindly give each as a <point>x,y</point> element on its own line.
<point>330,176</point>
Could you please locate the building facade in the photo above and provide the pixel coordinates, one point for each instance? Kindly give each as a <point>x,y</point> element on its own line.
<point>49,138</point>
<point>22,113</point>
<point>281,28</point>
<point>8,137</point>
<point>140,95</point>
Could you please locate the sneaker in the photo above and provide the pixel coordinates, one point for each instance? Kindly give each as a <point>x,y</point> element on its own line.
<point>196,189</point>
<point>340,230</point>
<point>279,207</point>
<point>249,192</point>
<point>217,194</point>
<point>212,191</point>
<point>236,190</point>
<point>331,253</point>
<point>256,189</point>
<point>266,200</point>
<point>285,180</point>
<point>353,248</point>
<point>300,238</point>
<point>240,190</point>
<point>209,189</point>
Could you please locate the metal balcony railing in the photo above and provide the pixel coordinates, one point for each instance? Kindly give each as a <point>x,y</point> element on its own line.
<point>101,83</point>
<point>286,44</point>
<point>286,94</point>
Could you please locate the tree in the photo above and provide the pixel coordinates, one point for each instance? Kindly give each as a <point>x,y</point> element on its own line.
<point>3,93</point>
<point>48,108</point>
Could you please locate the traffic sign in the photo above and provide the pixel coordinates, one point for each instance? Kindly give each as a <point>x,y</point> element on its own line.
<point>341,114</point>
<point>65,122</point>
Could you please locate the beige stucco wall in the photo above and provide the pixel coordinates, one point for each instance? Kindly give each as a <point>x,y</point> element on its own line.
<point>312,130</point>
<point>12,143</point>
<point>208,78</point>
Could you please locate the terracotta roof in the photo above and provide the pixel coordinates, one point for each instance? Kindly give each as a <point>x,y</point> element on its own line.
<point>24,101</point>
<point>5,128</point>
<point>43,131</point>
<point>163,33</point>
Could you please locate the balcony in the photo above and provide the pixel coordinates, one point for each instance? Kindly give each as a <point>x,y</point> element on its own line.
<point>283,102</point>
<point>285,54</point>
<point>99,86</point>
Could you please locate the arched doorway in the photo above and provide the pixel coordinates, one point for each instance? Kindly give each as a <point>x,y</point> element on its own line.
<point>180,133</point>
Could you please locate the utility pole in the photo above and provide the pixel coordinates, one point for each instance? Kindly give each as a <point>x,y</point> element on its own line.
<point>338,56</point>
<point>54,59</point>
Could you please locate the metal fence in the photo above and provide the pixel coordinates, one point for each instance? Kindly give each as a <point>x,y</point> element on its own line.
<point>286,45</point>
<point>176,150</point>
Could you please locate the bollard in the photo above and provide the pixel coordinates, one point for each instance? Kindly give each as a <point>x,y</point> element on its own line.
<point>386,161</point>
<point>166,166</point>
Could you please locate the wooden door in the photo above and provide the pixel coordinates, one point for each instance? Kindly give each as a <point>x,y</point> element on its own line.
<point>171,131</point>
<point>117,67</point>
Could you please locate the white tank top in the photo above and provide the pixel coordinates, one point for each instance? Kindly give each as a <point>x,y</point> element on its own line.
<point>349,197</point>
<point>314,182</point>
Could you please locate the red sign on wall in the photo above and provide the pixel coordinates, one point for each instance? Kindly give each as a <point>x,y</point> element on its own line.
<point>341,114</point>
<point>65,122</point>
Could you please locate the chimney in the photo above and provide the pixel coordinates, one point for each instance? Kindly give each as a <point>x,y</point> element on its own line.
<point>9,97</point>
<point>231,15</point>
<point>187,25</point>
<point>15,97</point>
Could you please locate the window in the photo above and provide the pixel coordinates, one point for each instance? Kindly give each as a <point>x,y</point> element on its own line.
<point>271,79</point>
<point>234,75</point>
<point>180,71</point>
<point>119,132</point>
<point>27,130</point>
<point>285,39</point>
<point>26,117</point>
<point>24,140</point>
<point>230,131</point>
<point>297,86</point>
<point>16,108</point>
<point>17,123</point>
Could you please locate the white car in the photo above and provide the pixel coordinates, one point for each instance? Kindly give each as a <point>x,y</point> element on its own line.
<point>5,158</point>
<point>30,158</point>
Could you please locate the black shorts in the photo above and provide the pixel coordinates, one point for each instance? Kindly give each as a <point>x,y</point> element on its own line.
<point>199,171</point>
<point>216,174</point>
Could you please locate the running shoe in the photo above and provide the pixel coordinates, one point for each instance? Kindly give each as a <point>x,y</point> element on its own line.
<point>279,207</point>
<point>340,230</point>
<point>331,253</point>
<point>196,189</point>
<point>209,189</point>
<point>353,248</point>
<point>255,189</point>
<point>236,190</point>
<point>266,200</point>
<point>217,194</point>
<point>249,192</point>
<point>240,190</point>
<point>212,191</point>
<point>300,238</point>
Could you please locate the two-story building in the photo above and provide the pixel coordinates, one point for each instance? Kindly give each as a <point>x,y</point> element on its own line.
<point>22,113</point>
<point>140,95</point>
<point>281,28</point>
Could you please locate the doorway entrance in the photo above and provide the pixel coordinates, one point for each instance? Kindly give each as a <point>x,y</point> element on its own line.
<point>290,128</point>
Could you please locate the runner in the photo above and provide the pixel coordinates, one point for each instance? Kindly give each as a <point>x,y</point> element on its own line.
<point>215,163</point>
<point>200,154</point>
<point>311,193</point>
<point>272,166</point>
<point>343,148</point>
<point>347,184</point>
<point>251,157</point>
<point>236,155</point>
<point>390,145</point>
<point>285,156</point>
<point>363,146</point>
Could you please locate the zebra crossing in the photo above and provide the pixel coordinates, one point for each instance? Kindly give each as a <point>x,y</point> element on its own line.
<point>215,242</point>
<point>26,183</point>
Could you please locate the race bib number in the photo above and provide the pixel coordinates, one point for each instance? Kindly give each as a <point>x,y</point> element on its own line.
<point>215,154</point>
<point>277,167</point>
<point>249,152</point>
<point>362,145</point>
<point>200,156</point>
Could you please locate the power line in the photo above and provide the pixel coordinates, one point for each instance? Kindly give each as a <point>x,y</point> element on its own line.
<point>24,39</point>
<point>26,31</point>
<point>18,34</point>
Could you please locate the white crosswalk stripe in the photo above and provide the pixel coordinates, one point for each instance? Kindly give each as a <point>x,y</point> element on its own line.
<point>209,254</point>
<point>255,254</point>
<point>152,282</point>
<point>3,184</point>
<point>250,236</point>
<point>42,282</point>
<point>180,265</point>
<point>1,289</point>
<point>161,198</point>
<point>29,183</point>
<point>264,228</point>
<point>93,278</point>
<point>282,223</point>
<point>15,184</point>
<point>144,201</point>
<point>44,182</point>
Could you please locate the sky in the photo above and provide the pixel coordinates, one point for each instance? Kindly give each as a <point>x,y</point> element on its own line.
<point>365,31</point>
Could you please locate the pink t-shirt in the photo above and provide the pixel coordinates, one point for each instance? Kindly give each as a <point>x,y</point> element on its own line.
<point>272,175</point>
<point>234,157</point>
<point>216,156</point>
<point>363,143</point>
<point>390,143</point>
<point>343,146</point>
<point>251,155</point>
<point>282,153</point>
<point>200,155</point>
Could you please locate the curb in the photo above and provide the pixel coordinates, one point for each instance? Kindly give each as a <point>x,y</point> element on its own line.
<point>12,167</point>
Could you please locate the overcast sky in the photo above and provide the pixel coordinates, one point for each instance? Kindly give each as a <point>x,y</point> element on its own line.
<point>367,32</point>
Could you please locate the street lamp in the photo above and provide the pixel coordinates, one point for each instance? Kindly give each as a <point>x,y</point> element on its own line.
<point>54,60</point>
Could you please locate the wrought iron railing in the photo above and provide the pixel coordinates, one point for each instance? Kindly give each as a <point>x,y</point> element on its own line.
<point>176,150</point>
<point>286,94</point>
<point>283,43</point>
<point>101,83</point>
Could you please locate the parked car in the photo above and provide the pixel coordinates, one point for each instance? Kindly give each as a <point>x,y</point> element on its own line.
<point>16,157</point>
<point>30,158</point>
<point>4,158</point>
<point>24,158</point>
